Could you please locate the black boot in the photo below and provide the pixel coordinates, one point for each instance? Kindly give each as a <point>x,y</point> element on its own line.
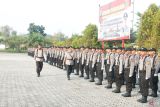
<point>68,77</point>
<point>139,91</point>
<point>127,94</point>
<point>153,94</point>
<point>76,73</point>
<point>99,82</point>
<point>108,86</point>
<point>143,99</point>
<point>81,75</point>
<point>87,77</point>
<point>105,78</point>
<point>92,80</point>
<point>116,90</point>
<point>38,74</point>
<point>133,86</point>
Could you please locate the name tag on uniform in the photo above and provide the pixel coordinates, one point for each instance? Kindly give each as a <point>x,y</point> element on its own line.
<point>148,63</point>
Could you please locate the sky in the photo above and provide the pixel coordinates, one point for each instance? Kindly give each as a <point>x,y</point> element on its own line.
<point>66,16</point>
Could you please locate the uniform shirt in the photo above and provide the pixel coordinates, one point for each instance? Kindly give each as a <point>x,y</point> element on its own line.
<point>112,59</point>
<point>142,63</point>
<point>137,58</point>
<point>39,55</point>
<point>148,66</point>
<point>126,62</point>
<point>91,56</point>
<point>121,63</point>
<point>102,61</point>
<point>69,58</point>
<point>78,55</point>
<point>63,54</point>
<point>108,58</point>
<point>132,64</point>
<point>83,55</point>
<point>98,57</point>
<point>94,59</point>
<point>88,57</point>
<point>157,66</point>
<point>75,54</point>
<point>117,59</point>
<point>154,63</point>
<point>50,52</point>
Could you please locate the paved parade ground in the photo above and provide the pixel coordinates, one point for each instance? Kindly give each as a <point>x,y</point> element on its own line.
<point>20,87</point>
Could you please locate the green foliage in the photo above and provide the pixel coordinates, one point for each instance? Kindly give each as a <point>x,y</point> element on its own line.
<point>148,33</point>
<point>5,31</point>
<point>16,42</point>
<point>87,39</point>
<point>36,29</point>
<point>59,37</point>
<point>90,35</point>
<point>36,38</point>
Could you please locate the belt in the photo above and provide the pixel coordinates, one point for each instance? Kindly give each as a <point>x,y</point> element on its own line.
<point>69,59</point>
<point>39,57</point>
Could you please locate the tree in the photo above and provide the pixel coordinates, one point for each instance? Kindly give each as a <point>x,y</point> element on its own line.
<point>14,33</point>
<point>16,42</point>
<point>90,35</point>
<point>35,39</point>
<point>36,29</point>
<point>156,31</point>
<point>6,31</point>
<point>59,36</point>
<point>148,22</point>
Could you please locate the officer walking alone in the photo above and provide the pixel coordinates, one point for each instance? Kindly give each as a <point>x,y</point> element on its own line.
<point>39,58</point>
<point>69,62</point>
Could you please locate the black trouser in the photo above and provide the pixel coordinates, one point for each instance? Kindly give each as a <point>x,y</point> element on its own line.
<point>82,69</point>
<point>92,72</point>
<point>154,81</point>
<point>55,61</point>
<point>74,66</point>
<point>134,77</point>
<point>77,66</point>
<point>107,69</point>
<point>90,66</point>
<point>51,61</point>
<point>129,80</point>
<point>99,71</point>
<point>118,77</point>
<point>61,63</point>
<point>39,66</point>
<point>123,76</point>
<point>144,84</point>
<point>96,70</point>
<point>87,70</point>
<point>111,76</point>
<point>58,62</point>
<point>47,58</point>
<point>69,70</point>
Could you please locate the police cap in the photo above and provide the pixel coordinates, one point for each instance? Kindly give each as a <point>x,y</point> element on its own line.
<point>143,49</point>
<point>152,49</point>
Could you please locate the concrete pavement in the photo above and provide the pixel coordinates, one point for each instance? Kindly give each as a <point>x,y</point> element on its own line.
<point>19,87</point>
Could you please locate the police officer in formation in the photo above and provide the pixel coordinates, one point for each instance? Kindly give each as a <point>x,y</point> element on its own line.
<point>119,65</point>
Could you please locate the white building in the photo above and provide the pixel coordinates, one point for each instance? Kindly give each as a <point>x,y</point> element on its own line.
<point>2,46</point>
